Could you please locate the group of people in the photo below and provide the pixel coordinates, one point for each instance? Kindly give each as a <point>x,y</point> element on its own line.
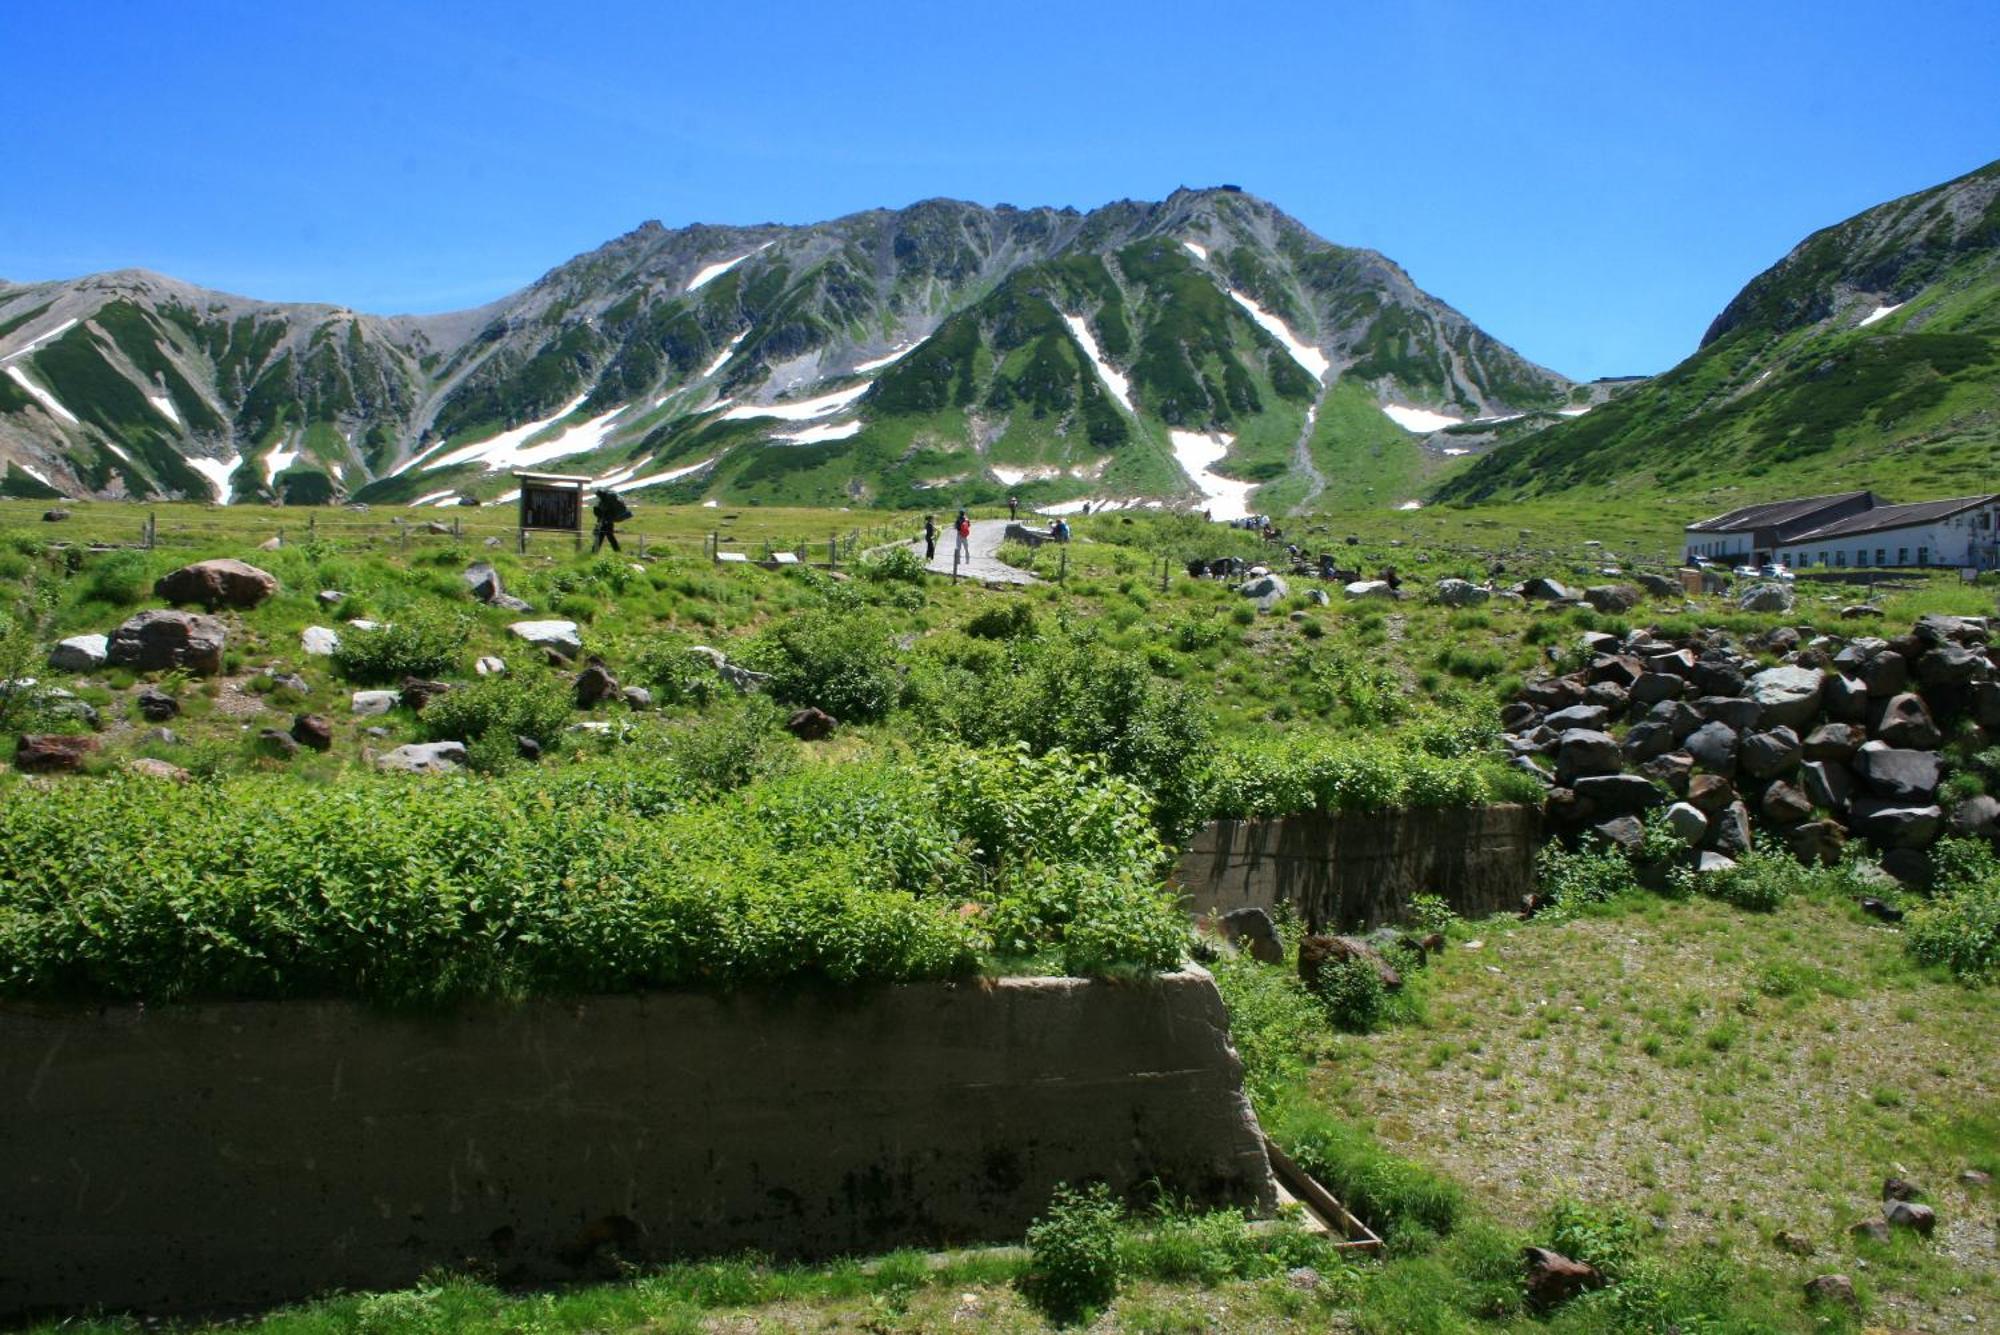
<point>961,527</point>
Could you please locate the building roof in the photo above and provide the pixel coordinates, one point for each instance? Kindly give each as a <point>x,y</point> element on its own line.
<point>1885,517</point>
<point>1772,513</point>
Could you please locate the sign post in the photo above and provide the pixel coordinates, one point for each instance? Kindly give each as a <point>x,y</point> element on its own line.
<point>551,502</point>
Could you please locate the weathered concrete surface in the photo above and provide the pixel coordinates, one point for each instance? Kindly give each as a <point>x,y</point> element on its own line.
<point>1352,871</point>
<point>217,1156</point>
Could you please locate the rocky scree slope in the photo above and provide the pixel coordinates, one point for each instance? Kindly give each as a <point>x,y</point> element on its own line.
<point>1868,357</point>
<point>880,357</point>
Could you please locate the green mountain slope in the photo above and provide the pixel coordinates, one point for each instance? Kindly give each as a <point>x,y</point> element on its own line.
<point>1869,356</point>
<point>886,357</point>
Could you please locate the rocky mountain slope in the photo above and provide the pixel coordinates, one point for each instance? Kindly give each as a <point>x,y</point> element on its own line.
<point>1869,356</point>
<point>1206,349</point>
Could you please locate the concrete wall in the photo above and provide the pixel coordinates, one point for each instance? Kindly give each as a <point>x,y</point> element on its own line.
<point>1355,871</point>
<point>219,1156</point>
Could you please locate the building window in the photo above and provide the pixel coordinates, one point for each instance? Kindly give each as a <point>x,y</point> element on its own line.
<point>1902,556</point>
<point>1861,556</point>
<point>1879,554</point>
<point>1840,558</point>
<point>1923,556</point>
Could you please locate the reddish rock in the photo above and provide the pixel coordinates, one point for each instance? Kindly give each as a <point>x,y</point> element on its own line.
<point>1832,1289</point>
<point>52,753</point>
<point>416,693</point>
<point>160,640</point>
<point>220,583</point>
<point>1315,952</point>
<point>1553,1279</point>
<point>313,730</point>
<point>811,725</point>
<point>594,683</point>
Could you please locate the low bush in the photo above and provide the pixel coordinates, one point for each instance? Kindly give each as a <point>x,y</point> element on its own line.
<point>1352,994</point>
<point>1307,772</point>
<point>1572,878</point>
<point>1959,927</point>
<point>1073,1254</point>
<point>841,661</point>
<point>1011,620</point>
<point>526,704</point>
<point>420,642</point>
<point>892,564</point>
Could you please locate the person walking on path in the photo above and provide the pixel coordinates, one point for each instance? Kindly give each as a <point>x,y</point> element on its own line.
<point>963,548</point>
<point>611,510</point>
<point>1013,507</point>
<point>930,539</point>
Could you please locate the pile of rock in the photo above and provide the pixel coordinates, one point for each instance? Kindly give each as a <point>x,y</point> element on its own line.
<point>1839,739</point>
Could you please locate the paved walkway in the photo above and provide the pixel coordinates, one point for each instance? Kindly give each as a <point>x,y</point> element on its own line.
<point>985,544</point>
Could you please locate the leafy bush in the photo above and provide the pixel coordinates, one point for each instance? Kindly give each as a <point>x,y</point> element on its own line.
<point>843,663</point>
<point>1572,878</point>
<point>120,579</point>
<point>1432,913</point>
<point>1959,927</point>
<point>1073,1254</point>
<point>1352,994</point>
<point>1010,620</point>
<point>421,642</point>
<point>892,564</point>
<point>1605,1237</point>
<point>1307,772</point>
<point>733,747</point>
<point>1760,881</point>
<point>677,678</point>
<point>525,704</point>
<point>1274,1022</point>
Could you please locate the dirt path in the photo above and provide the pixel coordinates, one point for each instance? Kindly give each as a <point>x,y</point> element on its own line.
<point>985,565</point>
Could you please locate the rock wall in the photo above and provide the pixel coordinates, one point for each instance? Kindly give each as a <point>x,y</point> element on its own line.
<point>222,1156</point>
<point>1353,871</point>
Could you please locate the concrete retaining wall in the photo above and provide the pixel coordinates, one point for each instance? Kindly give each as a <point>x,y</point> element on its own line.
<point>1352,871</point>
<point>218,1156</point>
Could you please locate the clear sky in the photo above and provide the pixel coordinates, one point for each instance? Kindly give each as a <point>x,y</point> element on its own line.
<point>1590,182</point>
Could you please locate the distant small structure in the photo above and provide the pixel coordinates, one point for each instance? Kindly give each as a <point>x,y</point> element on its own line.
<point>1854,530</point>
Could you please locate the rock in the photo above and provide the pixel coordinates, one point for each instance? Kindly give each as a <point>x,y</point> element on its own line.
<point>155,705</point>
<point>1765,598</point>
<point>424,758</point>
<point>1621,669</point>
<point>742,679</point>
<point>486,665</point>
<point>55,516</point>
<point>1653,687</point>
<point>1528,767</point>
<point>812,725</point>
<point>1834,741</point>
<point>1782,640</point>
<point>1889,823</point>
<point>1315,952</point>
<point>1553,1279</point>
<point>1787,696</point>
<point>1920,1219</point>
<point>558,637</point>
<point>1905,722</point>
<point>1658,585</point>
<point>330,597</point>
<point>164,736</point>
<point>278,745</point>
<point>1891,772</point>
<point>1552,693</point>
<point>1908,866</point>
<point>1713,747</point>
<point>508,602</point>
<point>150,768</point>
<point>291,683</point>
<point>1875,1230</point>
<point>1679,718</point>
<point>1578,718</point>
<point>1368,588</point>
<point>367,703</point>
<point>1715,677</point>
<point>319,641</point>
<point>1857,611</point>
<point>1710,794</point>
<point>1827,783</point>
<point>1765,755</point>
<point>80,653</point>
<point>1936,629</point>
<point>1583,752</point>
<point>1709,863</point>
<point>1975,1178</point>
<point>1729,831</point>
<point>1643,741</point>
<point>1607,695</point>
<point>1671,769</point>
<point>157,641</point>
<point>636,698</point>
<point>1266,589</point>
<point>1252,931</point>
<point>1546,591</point>
<point>1459,593</point>
<point>1831,1289</point>
<point>1816,843</point>
<point>1318,597</point>
<point>527,748</point>
<point>1688,823</point>
<point>593,684</point>
<point>218,583</point>
<point>483,580</point>
<point>1733,714</point>
<point>313,730</point>
<point>1625,833</point>
<point>1787,1241</point>
<point>1900,1189</point>
<point>1845,699</point>
<point>1782,804</point>
<point>52,752</point>
<point>1877,666</point>
<point>1613,598</point>
<point>1976,817</point>
<point>415,693</point>
<point>1618,794</point>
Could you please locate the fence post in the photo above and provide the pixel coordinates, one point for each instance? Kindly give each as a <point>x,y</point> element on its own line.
<point>456,536</point>
<point>954,561</point>
<point>1062,564</point>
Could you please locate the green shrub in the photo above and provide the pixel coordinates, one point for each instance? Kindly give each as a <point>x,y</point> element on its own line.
<point>1959,927</point>
<point>1397,1198</point>
<point>842,662</point>
<point>1010,620</point>
<point>1312,772</point>
<point>421,642</point>
<point>120,579</point>
<point>677,678</point>
<point>1073,1254</point>
<point>1760,881</point>
<point>1351,992</point>
<point>728,749</point>
<point>1274,1023</point>
<point>523,704</point>
<point>888,564</point>
<point>1605,1237</point>
<point>1593,874</point>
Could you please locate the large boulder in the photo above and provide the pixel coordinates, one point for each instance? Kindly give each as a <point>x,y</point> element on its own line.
<point>1578,717</point>
<point>1829,784</point>
<point>1834,741</point>
<point>1782,804</point>
<point>1688,823</point>
<point>1553,1279</point>
<point>1717,677</point>
<point>218,583</point>
<point>1268,590</point>
<point>1643,741</point>
<point>483,580</point>
<point>1875,664</point>
<point>1952,665</point>
<point>319,641</point>
<point>1459,593</point>
<point>1653,687</point>
<point>1547,591</point>
<point>1729,830</point>
<point>557,637</point>
<point>1368,588</point>
<point>1845,699</point>
<point>52,753</point>
<point>1658,585</point>
<point>1765,755</point>
<point>1584,752</point>
<point>80,653</point>
<point>160,640</point>
<point>1893,772</point>
<point>1735,714</point>
<point>1613,598</point>
<point>1976,817</point>
<point>1816,843</point>
<point>1787,696</point>
<point>424,758</point>
<point>1713,746</point>
<point>1679,718</point>
<point>1765,598</point>
<point>1890,823</point>
<point>1619,794</point>
<point>313,730</point>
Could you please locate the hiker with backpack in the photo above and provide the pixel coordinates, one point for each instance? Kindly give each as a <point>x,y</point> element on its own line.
<point>611,510</point>
<point>962,526</point>
<point>930,539</point>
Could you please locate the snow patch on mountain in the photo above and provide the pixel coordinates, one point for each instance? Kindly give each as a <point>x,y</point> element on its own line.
<point>1420,420</point>
<point>803,411</point>
<point>1014,477</point>
<point>498,452</point>
<point>1199,252</point>
<point>655,479</point>
<point>723,356</point>
<point>1574,412</point>
<point>895,355</point>
<point>277,461</point>
<point>217,472</point>
<point>1879,313</point>
<point>40,476</point>
<point>714,271</point>
<point>820,435</point>
<point>1197,454</point>
<point>38,340</point>
<point>1120,387</point>
<point>432,498</point>
<point>41,396</point>
<point>1304,354</point>
<point>164,406</point>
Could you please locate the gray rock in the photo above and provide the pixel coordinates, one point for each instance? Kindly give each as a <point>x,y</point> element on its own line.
<point>1613,598</point>
<point>1678,662</point>
<point>559,637</point>
<point>1679,718</point>
<point>1952,665</point>
<point>509,603</point>
<point>218,583</point>
<point>1713,747</point>
<point>1264,586</point>
<point>1252,931</point>
<point>1622,669</point>
<point>1787,696</point>
<point>1875,664</point>
<point>1845,699</point>
<point>319,641</point>
<point>159,640</point>
<point>1583,752</point>
<point>483,580</point>
<point>1626,833</point>
<point>1688,823</point>
<point>1834,741</point>
<point>1765,598</point>
<point>486,665</point>
<point>1368,588</point>
<point>741,679</point>
<point>1459,593</point>
<point>1653,687</point>
<point>1765,755</point>
<point>368,703</point>
<point>80,653</point>
<point>1658,585</point>
<point>1619,794</point>
<point>1911,1215</point>
<point>1716,677</point>
<point>1710,862</point>
<point>1734,714</point>
<point>1729,831</point>
<point>1608,695</point>
<point>1935,628</point>
<point>1318,597</point>
<point>330,597</point>
<point>1547,591</point>
<point>1893,772</point>
<point>1827,783</point>
<point>1889,823</point>
<point>1671,770</point>
<point>424,758</point>
<point>637,698</point>
<point>1643,741</point>
<point>1590,718</point>
<point>1816,843</point>
<point>155,705</point>
<point>1782,804</point>
<point>1976,818</point>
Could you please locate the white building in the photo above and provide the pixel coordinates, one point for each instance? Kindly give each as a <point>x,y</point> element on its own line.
<point>1754,534</point>
<point>1960,532</point>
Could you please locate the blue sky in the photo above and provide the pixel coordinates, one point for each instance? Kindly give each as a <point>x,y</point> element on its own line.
<point>1589,182</point>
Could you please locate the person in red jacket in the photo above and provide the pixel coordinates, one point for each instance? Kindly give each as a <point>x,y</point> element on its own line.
<point>962,526</point>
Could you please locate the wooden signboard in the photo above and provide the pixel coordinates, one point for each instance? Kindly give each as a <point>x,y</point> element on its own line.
<point>552,501</point>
